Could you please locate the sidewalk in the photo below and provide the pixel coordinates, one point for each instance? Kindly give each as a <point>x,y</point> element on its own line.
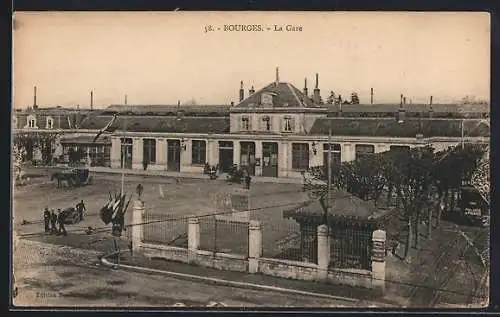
<point>108,170</point>
<point>352,296</point>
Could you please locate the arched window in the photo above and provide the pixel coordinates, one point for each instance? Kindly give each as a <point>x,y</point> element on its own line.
<point>50,123</point>
<point>31,122</point>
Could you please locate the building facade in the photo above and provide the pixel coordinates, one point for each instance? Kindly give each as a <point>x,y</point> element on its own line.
<point>277,131</point>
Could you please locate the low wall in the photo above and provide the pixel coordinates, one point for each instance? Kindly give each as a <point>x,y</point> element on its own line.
<point>221,261</point>
<point>165,252</point>
<point>352,277</point>
<point>288,269</point>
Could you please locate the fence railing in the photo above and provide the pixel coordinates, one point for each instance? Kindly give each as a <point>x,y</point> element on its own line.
<point>165,229</point>
<point>224,236</point>
<point>350,248</point>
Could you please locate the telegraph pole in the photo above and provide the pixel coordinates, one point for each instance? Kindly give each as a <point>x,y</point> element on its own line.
<point>329,192</point>
<point>124,152</point>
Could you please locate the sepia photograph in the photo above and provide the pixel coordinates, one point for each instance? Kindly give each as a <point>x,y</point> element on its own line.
<point>246,159</point>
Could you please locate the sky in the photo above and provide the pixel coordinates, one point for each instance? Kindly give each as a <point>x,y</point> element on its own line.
<point>163,57</point>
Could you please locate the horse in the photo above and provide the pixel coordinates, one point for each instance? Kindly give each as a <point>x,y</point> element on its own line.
<point>63,177</point>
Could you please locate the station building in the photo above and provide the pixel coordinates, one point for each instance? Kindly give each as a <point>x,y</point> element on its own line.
<point>276,131</point>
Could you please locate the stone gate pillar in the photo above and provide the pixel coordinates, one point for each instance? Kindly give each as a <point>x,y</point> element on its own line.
<point>137,226</point>
<point>378,259</point>
<point>254,245</point>
<point>323,252</point>
<point>193,238</point>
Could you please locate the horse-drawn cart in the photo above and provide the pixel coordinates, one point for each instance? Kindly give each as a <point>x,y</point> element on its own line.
<point>73,177</point>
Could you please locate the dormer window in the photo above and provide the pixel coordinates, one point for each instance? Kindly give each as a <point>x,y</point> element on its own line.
<point>50,123</point>
<point>287,124</point>
<point>31,122</point>
<point>245,123</point>
<point>266,121</point>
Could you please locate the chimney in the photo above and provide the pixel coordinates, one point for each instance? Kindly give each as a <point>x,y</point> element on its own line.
<point>306,92</point>
<point>277,76</point>
<point>125,99</point>
<point>34,97</point>
<point>371,96</point>
<point>431,111</point>
<point>91,100</point>
<point>401,112</point>
<point>251,91</point>
<point>232,103</point>
<point>316,93</point>
<point>180,113</point>
<point>242,92</point>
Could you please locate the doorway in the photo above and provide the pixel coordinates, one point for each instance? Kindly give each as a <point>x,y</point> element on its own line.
<point>225,155</point>
<point>174,155</point>
<point>270,159</point>
<point>247,156</point>
<point>126,153</point>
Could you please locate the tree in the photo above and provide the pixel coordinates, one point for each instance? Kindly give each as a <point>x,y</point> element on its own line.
<point>354,98</point>
<point>331,99</point>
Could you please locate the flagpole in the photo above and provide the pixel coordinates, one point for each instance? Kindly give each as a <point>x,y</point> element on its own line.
<point>123,156</point>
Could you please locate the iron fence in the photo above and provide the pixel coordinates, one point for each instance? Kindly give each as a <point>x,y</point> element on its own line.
<point>165,229</point>
<point>350,247</point>
<point>225,236</point>
<point>285,239</point>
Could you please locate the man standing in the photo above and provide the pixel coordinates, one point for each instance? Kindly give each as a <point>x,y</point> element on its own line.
<point>46,219</point>
<point>80,208</point>
<point>60,219</point>
<point>53,222</point>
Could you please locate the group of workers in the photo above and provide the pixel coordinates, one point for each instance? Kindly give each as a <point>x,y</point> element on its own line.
<point>54,222</point>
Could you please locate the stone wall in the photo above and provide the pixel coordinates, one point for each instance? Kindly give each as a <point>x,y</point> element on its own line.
<point>255,263</point>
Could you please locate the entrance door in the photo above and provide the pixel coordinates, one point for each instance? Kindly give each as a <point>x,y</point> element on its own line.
<point>247,156</point>
<point>225,156</point>
<point>173,155</point>
<point>336,156</point>
<point>126,156</point>
<point>270,159</point>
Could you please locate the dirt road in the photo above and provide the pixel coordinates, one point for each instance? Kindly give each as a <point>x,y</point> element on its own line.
<point>49,275</point>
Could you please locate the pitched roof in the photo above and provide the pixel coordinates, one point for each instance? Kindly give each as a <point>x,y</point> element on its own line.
<point>60,119</point>
<point>389,127</point>
<point>160,124</point>
<point>286,94</point>
<point>413,108</point>
<point>167,109</point>
<point>343,205</point>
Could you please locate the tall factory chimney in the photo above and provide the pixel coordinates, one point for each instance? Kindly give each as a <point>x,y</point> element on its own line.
<point>371,96</point>
<point>306,91</point>
<point>91,100</point>
<point>277,76</point>
<point>242,92</point>
<point>34,98</point>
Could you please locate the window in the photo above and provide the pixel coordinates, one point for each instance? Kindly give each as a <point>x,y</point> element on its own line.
<point>266,123</point>
<point>300,156</point>
<point>287,124</point>
<point>50,123</point>
<point>31,121</point>
<point>336,153</point>
<point>198,152</point>
<point>149,146</point>
<point>402,148</point>
<point>364,149</point>
<point>245,123</point>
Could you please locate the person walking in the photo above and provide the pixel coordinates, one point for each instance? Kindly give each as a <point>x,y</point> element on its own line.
<point>80,208</point>
<point>60,219</point>
<point>46,219</point>
<point>53,222</point>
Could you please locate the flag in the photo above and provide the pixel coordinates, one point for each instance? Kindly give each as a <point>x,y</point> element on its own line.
<point>105,129</point>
